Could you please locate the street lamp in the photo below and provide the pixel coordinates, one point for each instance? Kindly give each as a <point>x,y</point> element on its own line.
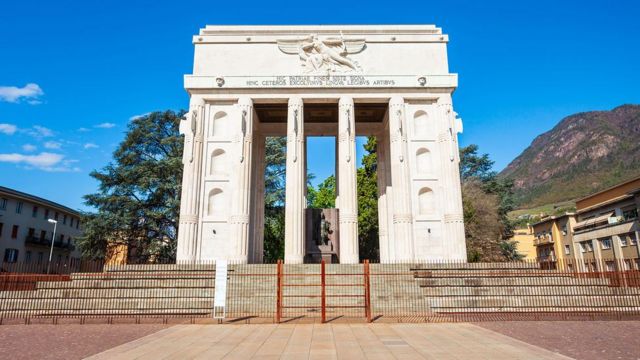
<point>53,239</point>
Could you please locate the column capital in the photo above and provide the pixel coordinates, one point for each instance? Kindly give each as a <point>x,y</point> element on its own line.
<point>245,101</point>
<point>295,101</point>
<point>345,101</point>
<point>396,101</point>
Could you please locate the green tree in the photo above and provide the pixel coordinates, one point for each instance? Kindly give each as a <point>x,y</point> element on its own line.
<point>138,197</point>
<point>486,234</point>
<point>325,196</point>
<point>367,177</point>
<point>275,172</point>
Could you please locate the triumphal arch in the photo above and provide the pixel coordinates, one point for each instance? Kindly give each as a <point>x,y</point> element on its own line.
<point>252,82</point>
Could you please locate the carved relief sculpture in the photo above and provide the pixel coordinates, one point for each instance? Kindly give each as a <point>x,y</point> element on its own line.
<point>324,57</point>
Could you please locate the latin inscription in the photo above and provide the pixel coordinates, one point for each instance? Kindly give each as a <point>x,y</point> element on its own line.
<point>320,81</point>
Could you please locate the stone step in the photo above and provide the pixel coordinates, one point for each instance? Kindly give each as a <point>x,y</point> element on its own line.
<point>119,284</point>
<point>108,293</point>
<point>455,266</point>
<point>527,290</point>
<point>128,275</point>
<point>511,281</point>
<point>535,301</point>
<point>106,304</point>
<point>540,310</point>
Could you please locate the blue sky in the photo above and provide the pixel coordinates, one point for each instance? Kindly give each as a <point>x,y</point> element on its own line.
<point>72,73</point>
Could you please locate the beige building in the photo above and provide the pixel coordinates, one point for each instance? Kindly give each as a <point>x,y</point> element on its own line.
<point>607,231</point>
<point>524,239</point>
<point>553,239</point>
<point>602,235</point>
<point>25,232</point>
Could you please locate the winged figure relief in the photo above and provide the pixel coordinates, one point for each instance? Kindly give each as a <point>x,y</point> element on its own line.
<point>324,56</point>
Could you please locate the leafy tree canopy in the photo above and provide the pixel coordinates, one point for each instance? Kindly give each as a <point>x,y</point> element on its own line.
<point>138,197</point>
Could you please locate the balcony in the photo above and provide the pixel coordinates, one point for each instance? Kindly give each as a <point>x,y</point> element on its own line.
<point>543,241</point>
<point>36,241</point>
<point>607,230</point>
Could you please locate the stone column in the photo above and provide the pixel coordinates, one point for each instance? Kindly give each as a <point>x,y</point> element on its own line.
<point>348,215</point>
<point>294,246</point>
<point>241,166</point>
<point>192,126</point>
<point>401,182</point>
<point>257,228</point>
<point>383,233</point>
<point>455,243</point>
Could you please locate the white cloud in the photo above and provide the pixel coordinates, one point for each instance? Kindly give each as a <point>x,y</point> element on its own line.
<point>8,129</point>
<point>38,132</point>
<point>44,160</point>
<point>134,117</point>
<point>106,125</point>
<point>29,147</point>
<point>52,145</point>
<point>14,94</point>
<point>90,146</point>
<point>83,129</point>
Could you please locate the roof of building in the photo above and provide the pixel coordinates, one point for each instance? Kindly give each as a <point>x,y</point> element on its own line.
<point>36,199</point>
<point>611,188</point>
<point>553,217</point>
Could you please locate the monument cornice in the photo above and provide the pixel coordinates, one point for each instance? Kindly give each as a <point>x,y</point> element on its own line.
<point>270,34</point>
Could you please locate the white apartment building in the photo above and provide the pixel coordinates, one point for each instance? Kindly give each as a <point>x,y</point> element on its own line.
<point>26,233</point>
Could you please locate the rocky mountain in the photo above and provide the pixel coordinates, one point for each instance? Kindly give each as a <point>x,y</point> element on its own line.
<point>586,152</point>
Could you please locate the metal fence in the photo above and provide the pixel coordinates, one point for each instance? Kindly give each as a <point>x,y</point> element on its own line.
<point>366,292</point>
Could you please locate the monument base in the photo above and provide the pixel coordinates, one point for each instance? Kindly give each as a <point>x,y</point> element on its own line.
<point>321,236</point>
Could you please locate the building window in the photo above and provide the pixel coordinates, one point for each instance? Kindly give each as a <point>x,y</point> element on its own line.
<point>585,246</point>
<point>40,257</point>
<point>1,226</point>
<point>27,257</point>
<point>630,214</point>
<point>43,234</point>
<point>567,249</point>
<point>64,219</point>
<point>61,238</point>
<point>610,265</point>
<point>11,255</point>
<point>627,264</point>
<point>19,207</point>
<point>14,232</point>
<point>623,240</point>
<point>606,243</point>
<point>46,214</point>
<point>3,204</point>
<point>633,240</point>
<point>34,212</point>
<point>56,216</point>
<point>71,222</point>
<point>77,224</point>
<point>31,233</point>
<point>570,267</point>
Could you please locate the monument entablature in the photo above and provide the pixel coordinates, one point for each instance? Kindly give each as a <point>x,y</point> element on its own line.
<point>250,82</point>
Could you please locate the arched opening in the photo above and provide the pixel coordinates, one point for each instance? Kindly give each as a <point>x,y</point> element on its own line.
<point>215,203</point>
<point>426,201</point>
<point>218,164</point>
<point>423,161</point>
<point>218,127</point>
<point>421,123</point>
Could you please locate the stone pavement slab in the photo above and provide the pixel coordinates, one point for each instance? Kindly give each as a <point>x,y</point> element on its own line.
<point>328,341</point>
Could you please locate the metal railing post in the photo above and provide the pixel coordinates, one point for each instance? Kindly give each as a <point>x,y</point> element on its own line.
<point>323,294</point>
<point>367,292</point>
<point>279,293</point>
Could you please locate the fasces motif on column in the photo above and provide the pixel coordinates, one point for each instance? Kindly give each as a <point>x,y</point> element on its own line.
<point>295,182</point>
<point>241,204</point>
<point>347,183</point>
<point>453,218</point>
<point>401,182</point>
<point>191,126</point>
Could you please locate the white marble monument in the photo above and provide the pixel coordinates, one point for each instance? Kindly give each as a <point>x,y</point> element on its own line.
<point>251,82</point>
